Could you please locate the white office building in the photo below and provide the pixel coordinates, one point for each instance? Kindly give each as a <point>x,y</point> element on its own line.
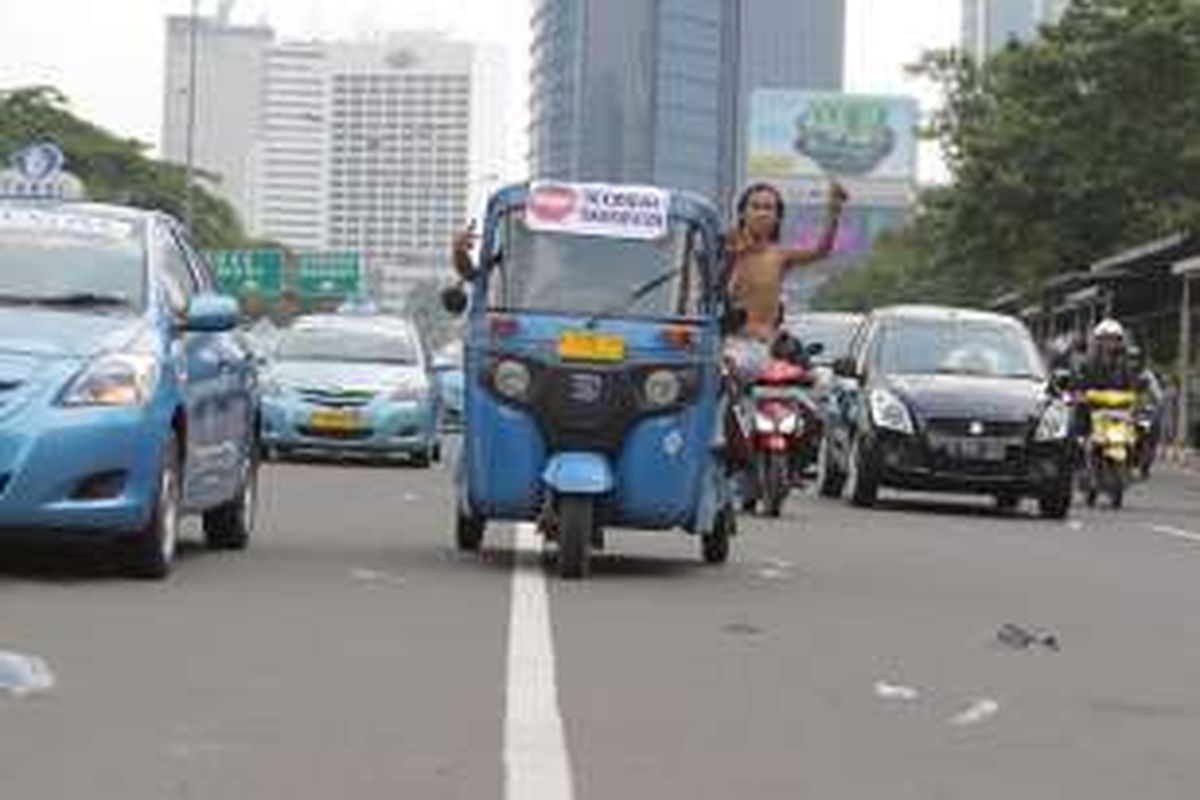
<point>382,148</point>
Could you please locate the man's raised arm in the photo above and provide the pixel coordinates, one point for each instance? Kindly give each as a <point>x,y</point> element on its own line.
<point>837,199</point>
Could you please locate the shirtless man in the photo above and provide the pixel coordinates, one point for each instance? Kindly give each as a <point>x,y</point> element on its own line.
<point>758,265</point>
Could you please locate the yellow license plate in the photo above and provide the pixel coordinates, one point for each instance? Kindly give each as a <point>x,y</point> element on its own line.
<point>335,421</point>
<point>587,346</point>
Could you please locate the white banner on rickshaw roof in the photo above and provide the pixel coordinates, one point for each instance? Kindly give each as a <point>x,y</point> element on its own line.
<point>598,209</point>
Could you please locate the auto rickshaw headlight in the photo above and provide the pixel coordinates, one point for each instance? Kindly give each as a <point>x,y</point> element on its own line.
<point>662,388</point>
<point>511,379</point>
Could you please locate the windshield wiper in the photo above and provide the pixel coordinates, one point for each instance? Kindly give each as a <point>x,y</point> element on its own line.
<point>81,299</point>
<point>637,294</point>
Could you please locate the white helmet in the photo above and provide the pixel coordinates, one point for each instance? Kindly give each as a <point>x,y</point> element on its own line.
<point>1108,328</point>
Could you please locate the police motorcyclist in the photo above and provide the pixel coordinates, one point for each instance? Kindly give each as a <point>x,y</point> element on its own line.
<point>1106,367</point>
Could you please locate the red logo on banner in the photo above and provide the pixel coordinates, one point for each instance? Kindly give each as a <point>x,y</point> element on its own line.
<point>553,203</point>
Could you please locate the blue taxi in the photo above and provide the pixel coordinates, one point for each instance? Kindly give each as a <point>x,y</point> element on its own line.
<point>346,384</point>
<point>125,400</point>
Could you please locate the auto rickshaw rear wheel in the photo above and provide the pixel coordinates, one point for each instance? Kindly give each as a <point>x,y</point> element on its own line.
<point>468,532</point>
<point>715,544</point>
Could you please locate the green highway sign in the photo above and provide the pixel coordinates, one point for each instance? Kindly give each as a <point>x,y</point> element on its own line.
<point>240,272</point>
<point>329,273</point>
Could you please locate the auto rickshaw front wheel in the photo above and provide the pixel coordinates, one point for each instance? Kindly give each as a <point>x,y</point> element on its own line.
<point>576,518</point>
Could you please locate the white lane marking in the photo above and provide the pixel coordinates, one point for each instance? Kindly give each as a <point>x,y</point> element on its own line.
<point>978,712</point>
<point>536,763</point>
<point>1178,533</point>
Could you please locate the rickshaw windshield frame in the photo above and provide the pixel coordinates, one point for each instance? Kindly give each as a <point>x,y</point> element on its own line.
<point>541,272</point>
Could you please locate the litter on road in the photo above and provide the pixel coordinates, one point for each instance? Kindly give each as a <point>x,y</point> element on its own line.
<point>22,675</point>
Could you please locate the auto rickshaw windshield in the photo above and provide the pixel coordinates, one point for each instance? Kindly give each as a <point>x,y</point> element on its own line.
<point>571,273</point>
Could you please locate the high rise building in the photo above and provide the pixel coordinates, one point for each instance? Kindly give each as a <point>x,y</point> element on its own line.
<point>229,67</point>
<point>626,90</point>
<point>375,148</point>
<point>365,146</point>
<point>988,25</point>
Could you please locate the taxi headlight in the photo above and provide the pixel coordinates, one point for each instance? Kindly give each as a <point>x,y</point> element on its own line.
<point>511,379</point>
<point>662,388</point>
<point>120,379</point>
<point>1054,424</point>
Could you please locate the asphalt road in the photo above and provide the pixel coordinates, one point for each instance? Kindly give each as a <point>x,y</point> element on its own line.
<point>840,654</point>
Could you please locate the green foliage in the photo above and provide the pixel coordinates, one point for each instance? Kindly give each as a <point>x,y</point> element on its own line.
<point>1063,150</point>
<point>114,169</point>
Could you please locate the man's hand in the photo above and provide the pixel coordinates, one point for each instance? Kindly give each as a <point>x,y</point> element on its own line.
<point>837,196</point>
<point>461,246</point>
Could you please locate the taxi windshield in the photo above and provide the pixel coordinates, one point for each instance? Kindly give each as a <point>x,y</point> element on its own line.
<point>48,259</point>
<point>346,345</point>
<point>561,272</point>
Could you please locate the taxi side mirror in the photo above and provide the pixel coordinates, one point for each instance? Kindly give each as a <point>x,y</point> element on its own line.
<point>454,300</point>
<point>1060,381</point>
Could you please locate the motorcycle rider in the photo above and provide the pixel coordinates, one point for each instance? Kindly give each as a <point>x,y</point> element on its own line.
<point>756,269</point>
<point>1107,366</point>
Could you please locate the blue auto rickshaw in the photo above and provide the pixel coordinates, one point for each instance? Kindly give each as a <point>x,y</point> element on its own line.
<point>592,374</point>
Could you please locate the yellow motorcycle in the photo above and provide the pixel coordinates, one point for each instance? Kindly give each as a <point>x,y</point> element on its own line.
<point>1110,445</point>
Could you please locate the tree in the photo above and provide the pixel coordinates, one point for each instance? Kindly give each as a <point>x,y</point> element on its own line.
<point>1063,150</point>
<point>112,168</point>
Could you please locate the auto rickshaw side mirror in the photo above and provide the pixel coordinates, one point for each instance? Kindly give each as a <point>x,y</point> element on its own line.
<point>454,300</point>
<point>845,367</point>
<point>815,349</point>
<point>733,320</point>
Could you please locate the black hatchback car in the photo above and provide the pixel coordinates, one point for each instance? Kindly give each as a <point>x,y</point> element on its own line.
<point>945,399</point>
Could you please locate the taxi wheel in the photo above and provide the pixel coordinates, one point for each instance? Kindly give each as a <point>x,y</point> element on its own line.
<point>228,526</point>
<point>468,533</point>
<point>715,546</point>
<point>576,516</point>
<point>150,553</point>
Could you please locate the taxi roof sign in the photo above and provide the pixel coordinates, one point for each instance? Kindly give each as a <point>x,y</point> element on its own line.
<point>37,171</point>
<point>598,209</point>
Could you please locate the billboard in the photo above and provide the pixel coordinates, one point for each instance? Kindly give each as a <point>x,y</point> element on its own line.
<point>805,135</point>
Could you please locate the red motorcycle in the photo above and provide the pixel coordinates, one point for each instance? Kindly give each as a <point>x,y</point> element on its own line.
<point>785,433</point>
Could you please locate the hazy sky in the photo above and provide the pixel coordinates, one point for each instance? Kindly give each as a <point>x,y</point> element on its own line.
<point>107,54</point>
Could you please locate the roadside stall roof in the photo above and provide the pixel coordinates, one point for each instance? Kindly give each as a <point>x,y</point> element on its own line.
<point>1152,256</point>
